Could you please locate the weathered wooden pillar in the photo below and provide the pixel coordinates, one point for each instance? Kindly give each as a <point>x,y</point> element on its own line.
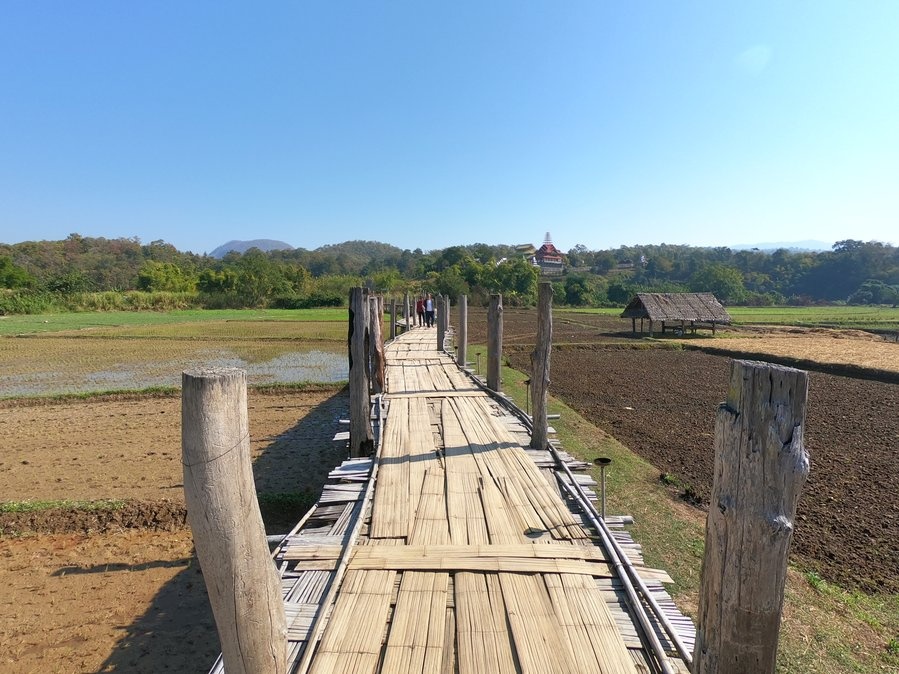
<point>375,317</point>
<point>447,308</point>
<point>540,365</point>
<point>242,582</point>
<point>441,329</point>
<point>393,318</point>
<point>408,318</point>
<point>361,436</point>
<point>760,467</point>
<point>495,342</point>
<point>462,339</point>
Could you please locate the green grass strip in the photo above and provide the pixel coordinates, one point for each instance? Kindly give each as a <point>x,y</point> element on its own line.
<point>37,506</point>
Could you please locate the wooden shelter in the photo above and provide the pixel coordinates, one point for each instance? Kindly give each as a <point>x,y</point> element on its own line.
<point>685,310</point>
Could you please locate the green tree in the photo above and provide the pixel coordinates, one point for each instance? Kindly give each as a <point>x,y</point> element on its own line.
<point>452,282</point>
<point>13,276</point>
<point>516,279</point>
<point>726,283</point>
<point>577,291</point>
<point>164,276</point>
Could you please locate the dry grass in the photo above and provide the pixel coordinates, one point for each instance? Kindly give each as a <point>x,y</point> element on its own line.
<point>837,348</point>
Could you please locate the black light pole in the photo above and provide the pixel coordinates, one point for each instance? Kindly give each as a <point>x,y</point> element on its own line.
<point>602,462</point>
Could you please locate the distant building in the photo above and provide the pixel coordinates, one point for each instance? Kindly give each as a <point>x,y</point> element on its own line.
<point>548,258</point>
<point>526,250</point>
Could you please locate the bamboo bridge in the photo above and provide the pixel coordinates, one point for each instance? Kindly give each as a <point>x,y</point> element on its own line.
<point>457,548</point>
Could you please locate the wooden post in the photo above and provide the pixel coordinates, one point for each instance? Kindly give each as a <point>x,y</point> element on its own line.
<point>242,582</point>
<point>393,318</point>
<point>377,343</point>
<point>409,322</point>
<point>361,436</point>
<point>441,330</point>
<point>760,467</point>
<point>447,308</point>
<point>540,365</point>
<point>495,342</point>
<point>462,346</point>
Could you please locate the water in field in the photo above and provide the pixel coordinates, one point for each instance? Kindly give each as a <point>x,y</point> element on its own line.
<point>71,372</point>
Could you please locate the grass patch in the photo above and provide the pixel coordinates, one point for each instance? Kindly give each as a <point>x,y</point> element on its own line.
<point>37,506</point>
<point>58,322</point>
<point>281,511</point>
<point>164,392</point>
<point>880,318</point>
<point>826,629</point>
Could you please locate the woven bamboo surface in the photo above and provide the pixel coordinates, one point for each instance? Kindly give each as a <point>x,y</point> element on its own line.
<point>462,557</point>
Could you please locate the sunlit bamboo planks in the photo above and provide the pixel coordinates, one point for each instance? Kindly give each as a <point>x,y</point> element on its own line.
<point>351,643</point>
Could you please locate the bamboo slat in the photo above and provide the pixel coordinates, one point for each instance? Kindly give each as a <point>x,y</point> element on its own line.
<point>352,640</point>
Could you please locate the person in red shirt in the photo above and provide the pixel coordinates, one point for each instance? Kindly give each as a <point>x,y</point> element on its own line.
<point>420,310</point>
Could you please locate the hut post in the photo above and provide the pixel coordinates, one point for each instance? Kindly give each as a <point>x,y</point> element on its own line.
<point>760,467</point>
<point>650,327</point>
<point>441,329</point>
<point>462,345</point>
<point>540,366</point>
<point>223,512</point>
<point>361,435</point>
<point>495,342</point>
<point>393,318</point>
<point>634,324</point>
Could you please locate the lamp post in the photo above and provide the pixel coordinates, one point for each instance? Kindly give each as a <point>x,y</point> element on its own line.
<point>527,398</point>
<point>602,462</point>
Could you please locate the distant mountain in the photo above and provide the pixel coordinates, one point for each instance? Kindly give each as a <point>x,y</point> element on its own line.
<point>807,245</point>
<point>264,245</point>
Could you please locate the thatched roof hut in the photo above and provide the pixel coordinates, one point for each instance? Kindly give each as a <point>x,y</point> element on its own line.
<point>695,309</point>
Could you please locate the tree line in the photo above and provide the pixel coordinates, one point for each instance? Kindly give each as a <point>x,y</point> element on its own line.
<point>96,273</point>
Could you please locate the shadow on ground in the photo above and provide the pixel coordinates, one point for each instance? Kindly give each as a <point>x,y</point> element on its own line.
<point>177,633</point>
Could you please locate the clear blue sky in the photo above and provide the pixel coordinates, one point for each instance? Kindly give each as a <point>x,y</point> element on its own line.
<point>427,124</point>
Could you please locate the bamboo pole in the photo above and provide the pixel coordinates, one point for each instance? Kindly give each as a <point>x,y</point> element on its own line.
<point>361,435</point>
<point>760,467</point>
<point>494,342</point>
<point>223,512</point>
<point>462,346</point>
<point>540,358</point>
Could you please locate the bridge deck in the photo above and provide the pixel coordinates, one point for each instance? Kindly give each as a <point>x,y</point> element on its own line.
<point>466,557</point>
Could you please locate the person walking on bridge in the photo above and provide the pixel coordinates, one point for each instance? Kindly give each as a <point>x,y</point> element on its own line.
<point>429,311</point>
<point>420,310</point>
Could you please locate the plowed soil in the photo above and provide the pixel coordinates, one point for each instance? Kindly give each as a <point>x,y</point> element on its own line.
<point>120,590</point>
<point>661,403</point>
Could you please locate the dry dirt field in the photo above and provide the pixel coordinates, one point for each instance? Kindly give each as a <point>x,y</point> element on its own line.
<point>661,403</point>
<point>121,591</point>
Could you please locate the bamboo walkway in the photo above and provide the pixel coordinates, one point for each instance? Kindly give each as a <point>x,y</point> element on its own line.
<point>455,549</point>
